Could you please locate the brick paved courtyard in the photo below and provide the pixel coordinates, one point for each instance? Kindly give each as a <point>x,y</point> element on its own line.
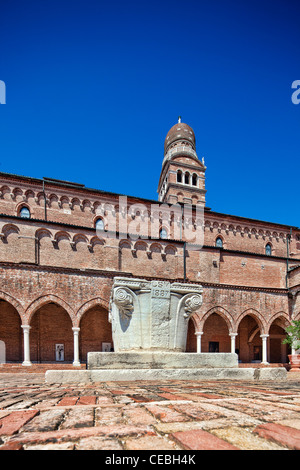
<point>154,416</point>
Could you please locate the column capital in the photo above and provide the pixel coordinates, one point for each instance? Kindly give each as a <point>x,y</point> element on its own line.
<point>26,327</point>
<point>76,329</point>
<point>198,333</point>
<point>264,336</point>
<point>233,334</point>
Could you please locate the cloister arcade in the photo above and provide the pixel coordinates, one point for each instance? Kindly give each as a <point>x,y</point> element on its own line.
<point>48,331</point>
<point>49,334</point>
<point>248,335</point>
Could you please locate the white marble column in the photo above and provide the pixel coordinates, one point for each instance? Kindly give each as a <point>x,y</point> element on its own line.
<point>199,334</point>
<point>26,361</point>
<point>76,361</point>
<point>232,336</point>
<point>264,349</point>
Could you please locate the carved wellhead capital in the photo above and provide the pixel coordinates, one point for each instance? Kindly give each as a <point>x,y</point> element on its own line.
<point>124,301</point>
<point>192,304</point>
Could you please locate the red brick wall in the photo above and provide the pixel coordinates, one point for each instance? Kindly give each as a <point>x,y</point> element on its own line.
<point>236,279</point>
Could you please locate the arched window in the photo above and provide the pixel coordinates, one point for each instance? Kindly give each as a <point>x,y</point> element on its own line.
<point>268,249</point>
<point>194,179</point>
<point>163,233</point>
<point>179,176</point>
<point>25,212</point>
<point>187,178</point>
<point>219,242</point>
<point>99,224</point>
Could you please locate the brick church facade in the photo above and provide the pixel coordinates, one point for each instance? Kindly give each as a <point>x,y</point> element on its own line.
<point>62,244</point>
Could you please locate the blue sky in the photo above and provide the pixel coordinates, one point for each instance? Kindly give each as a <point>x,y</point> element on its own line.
<point>93,88</point>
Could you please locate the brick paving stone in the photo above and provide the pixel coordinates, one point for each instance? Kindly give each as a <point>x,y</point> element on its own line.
<point>139,398</point>
<point>233,416</point>
<point>197,412</point>
<point>44,404</point>
<point>292,423</point>
<point>145,415</point>
<point>150,443</point>
<point>138,416</point>
<point>98,443</point>
<point>284,435</point>
<point>12,446</point>
<point>245,439</point>
<point>22,405</point>
<point>123,399</point>
<point>105,400</point>
<point>46,421</point>
<point>171,396</point>
<point>65,435</point>
<point>52,446</point>
<point>109,415</point>
<point>259,409</point>
<point>68,401</point>
<point>87,400</point>
<point>169,428</point>
<point>166,414</point>
<point>78,418</point>
<point>11,423</point>
<point>209,396</point>
<point>9,402</point>
<point>201,440</point>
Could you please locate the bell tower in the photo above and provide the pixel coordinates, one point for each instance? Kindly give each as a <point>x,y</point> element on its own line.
<point>182,178</point>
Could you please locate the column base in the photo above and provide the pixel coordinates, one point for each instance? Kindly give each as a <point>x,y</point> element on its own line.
<point>26,363</point>
<point>76,364</point>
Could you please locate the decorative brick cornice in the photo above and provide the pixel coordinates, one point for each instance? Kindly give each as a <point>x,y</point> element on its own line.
<point>112,274</point>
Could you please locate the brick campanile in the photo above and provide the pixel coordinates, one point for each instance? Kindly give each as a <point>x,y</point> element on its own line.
<point>182,176</point>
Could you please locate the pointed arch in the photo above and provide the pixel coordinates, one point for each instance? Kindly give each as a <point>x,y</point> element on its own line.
<point>97,301</point>
<point>220,311</point>
<point>283,316</point>
<point>44,300</point>
<point>257,317</point>
<point>11,319</point>
<point>15,303</point>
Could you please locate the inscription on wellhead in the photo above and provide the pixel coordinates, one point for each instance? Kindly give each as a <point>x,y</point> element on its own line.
<point>160,289</point>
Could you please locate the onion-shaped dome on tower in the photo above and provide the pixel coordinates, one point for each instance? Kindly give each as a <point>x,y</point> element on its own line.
<point>180,140</point>
<point>181,132</point>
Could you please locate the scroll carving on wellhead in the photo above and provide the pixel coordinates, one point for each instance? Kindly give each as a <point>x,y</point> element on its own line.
<point>152,315</point>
